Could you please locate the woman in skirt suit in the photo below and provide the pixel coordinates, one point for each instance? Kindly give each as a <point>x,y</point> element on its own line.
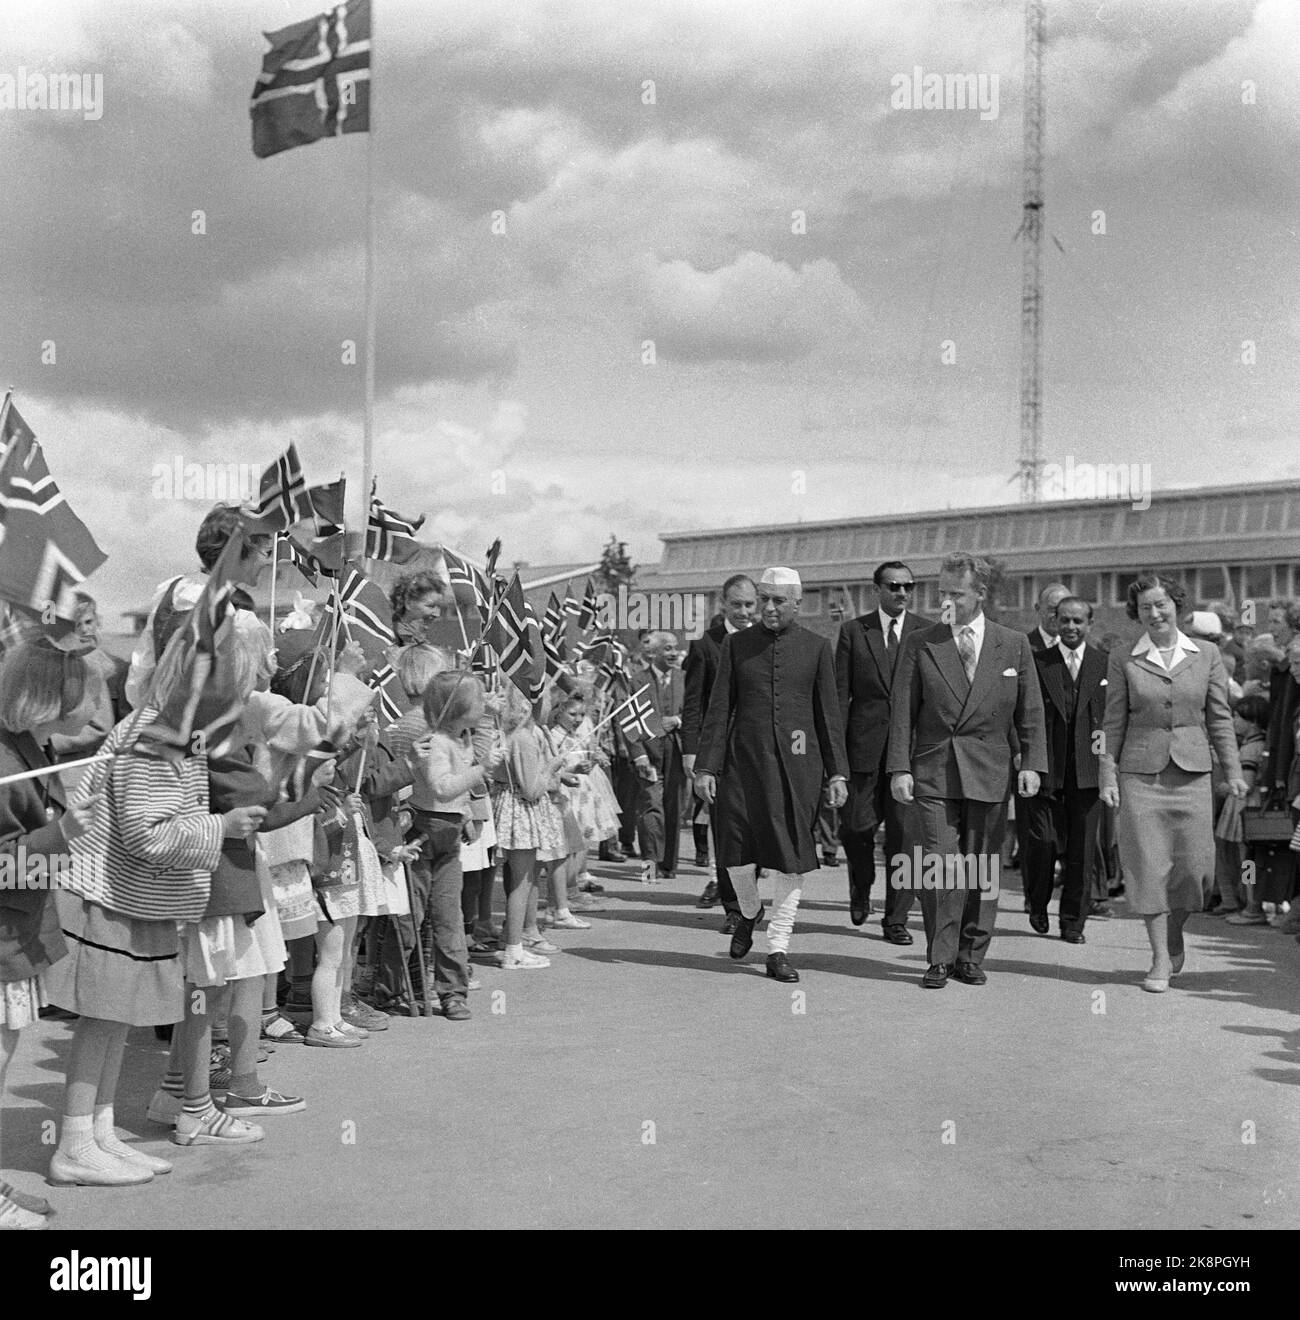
<point>1166,704</point>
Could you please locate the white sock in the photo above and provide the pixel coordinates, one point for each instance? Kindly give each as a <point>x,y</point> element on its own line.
<point>77,1142</point>
<point>106,1137</point>
<point>562,914</point>
<point>514,950</point>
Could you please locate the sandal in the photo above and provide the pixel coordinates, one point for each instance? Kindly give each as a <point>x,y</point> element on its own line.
<point>281,1031</point>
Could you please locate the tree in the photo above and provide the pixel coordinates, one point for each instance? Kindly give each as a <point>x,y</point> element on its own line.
<point>616,568</point>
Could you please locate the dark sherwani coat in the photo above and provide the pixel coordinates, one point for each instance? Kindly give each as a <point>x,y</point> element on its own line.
<point>772,735</point>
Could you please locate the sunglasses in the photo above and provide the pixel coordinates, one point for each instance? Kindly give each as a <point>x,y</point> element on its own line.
<point>898,586</point>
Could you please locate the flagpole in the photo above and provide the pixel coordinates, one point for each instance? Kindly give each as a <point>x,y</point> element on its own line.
<point>367,435</point>
<point>275,571</point>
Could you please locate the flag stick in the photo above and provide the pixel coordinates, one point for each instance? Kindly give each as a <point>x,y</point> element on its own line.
<point>275,572</point>
<point>44,770</point>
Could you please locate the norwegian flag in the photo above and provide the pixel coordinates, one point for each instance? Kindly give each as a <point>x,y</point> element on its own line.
<point>635,716</point>
<point>303,560</point>
<point>385,681</point>
<point>572,609</point>
<point>315,80</point>
<point>514,634</point>
<point>466,574</point>
<point>46,551</point>
<point>589,610</point>
<point>282,498</point>
<point>204,706</point>
<point>389,535</point>
<point>364,603</point>
<point>327,545</point>
<point>614,665</point>
<point>554,626</point>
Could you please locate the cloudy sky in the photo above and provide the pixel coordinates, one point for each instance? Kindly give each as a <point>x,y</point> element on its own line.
<point>796,374</point>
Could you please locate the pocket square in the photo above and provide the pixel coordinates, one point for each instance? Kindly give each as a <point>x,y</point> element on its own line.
<point>1009,673</point>
<point>1103,682</point>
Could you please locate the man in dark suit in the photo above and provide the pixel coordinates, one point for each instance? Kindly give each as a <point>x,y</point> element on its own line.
<point>658,761</point>
<point>1066,815</point>
<point>1043,635</point>
<point>965,694</point>
<point>739,604</point>
<point>866,659</point>
<point>772,737</point>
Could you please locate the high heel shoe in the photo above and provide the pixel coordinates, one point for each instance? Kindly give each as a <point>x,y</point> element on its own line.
<point>1156,985</point>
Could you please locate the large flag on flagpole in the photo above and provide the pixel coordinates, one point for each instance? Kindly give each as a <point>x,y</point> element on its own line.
<point>46,551</point>
<point>315,80</point>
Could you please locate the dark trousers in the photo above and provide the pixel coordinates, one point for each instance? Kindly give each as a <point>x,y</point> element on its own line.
<point>959,922</point>
<point>1064,825</point>
<point>658,808</point>
<point>869,804</point>
<point>626,787</point>
<point>436,891</point>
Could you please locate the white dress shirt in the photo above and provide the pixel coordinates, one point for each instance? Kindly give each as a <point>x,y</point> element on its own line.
<point>887,619</point>
<point>976,625</point>
<point>1048,642</point>
<point>1066,653</point>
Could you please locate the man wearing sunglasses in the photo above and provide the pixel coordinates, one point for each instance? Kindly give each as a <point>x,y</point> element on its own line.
<point>866,656</point>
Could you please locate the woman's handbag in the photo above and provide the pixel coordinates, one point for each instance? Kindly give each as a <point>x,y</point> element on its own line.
<point>1270,822</point>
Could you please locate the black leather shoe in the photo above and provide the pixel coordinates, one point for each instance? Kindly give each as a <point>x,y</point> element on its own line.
<point>709,898</point>
<point>1073,937</point>
<point>664,873</point>
<point>743,938</point>
<point>730,924</point>
<point>897,935</point>
<point>859,906</point>
<point>779,969</point>
<point>611,853</point>
<point>1101,910</point>
<point>970,973</point>
<point>936,976</point>
<point>1038,922</point>
<point>702,861</point>
<point>830,859</point>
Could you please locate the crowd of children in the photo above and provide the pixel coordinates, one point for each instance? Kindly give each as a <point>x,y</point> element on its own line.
<point>312,872</point>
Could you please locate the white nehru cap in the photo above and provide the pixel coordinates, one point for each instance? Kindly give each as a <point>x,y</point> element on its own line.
<point>780,577</point>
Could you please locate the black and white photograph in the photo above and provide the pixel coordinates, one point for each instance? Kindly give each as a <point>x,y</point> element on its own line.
<point>662,616</point>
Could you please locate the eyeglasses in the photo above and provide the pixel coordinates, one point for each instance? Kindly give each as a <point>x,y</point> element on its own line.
<point>898,586</point>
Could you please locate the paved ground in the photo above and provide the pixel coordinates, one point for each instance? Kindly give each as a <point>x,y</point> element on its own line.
<point>647,1081</point>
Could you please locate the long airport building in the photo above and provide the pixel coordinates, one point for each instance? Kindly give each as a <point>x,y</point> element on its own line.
<point>1225,543</point>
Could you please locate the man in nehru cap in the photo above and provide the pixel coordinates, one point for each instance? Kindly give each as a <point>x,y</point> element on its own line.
<point>772,735</point>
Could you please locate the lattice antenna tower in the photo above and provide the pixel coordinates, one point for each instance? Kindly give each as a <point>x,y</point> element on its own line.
<point>1031,280</point>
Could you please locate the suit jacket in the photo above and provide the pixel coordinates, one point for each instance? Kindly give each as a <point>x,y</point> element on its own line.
<point>864,680</point>
<point>955,738</point>
<point>666,700</point>
<point>1072,709</point>
<point>1036,640</point>
<point>701,669</point>
<point>30,938</point>
<point>1154,717</point>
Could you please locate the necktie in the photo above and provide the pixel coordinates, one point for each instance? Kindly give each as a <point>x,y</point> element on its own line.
<point>966,648</point>
<point>1072,662</point>
<point>891,642</point>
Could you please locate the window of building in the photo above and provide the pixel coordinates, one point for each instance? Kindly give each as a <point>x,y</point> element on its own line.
<point>1123,581</point>
<point>841,545</point>
<point>1283,579</point>
<point>929,594</point>
<point>1195,514</point>
<point>1259,581</point>
<point>1273,511</point>
<point>1175,521</point>
<point>1084,585</point>
<point>1213,521</point>
<point>1009,593</point>
<point>1293,511</point>
<point>1254,515</point>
